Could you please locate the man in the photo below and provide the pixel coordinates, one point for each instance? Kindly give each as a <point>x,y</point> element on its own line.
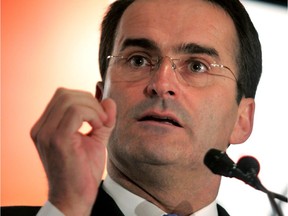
<point>182,76</point>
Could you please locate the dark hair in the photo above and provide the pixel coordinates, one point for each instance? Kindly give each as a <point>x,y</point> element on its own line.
<point>108,32</point>
<point>249,58</point>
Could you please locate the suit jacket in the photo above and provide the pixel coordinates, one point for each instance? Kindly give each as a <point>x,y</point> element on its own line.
<point>104,205</point>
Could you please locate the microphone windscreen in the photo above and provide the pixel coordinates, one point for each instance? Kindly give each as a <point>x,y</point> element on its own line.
<point>218,162</point>
<point>248,164</point>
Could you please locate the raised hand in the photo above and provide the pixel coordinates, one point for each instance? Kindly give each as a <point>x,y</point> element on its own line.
<point>74,162</point>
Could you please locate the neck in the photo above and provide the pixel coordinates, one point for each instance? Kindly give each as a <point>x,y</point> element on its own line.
<point>181,194</point>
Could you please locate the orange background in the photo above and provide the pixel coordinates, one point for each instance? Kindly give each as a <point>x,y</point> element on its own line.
<point>45,44</point>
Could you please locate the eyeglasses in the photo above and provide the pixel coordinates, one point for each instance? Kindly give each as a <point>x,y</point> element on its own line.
<point>193,70</point>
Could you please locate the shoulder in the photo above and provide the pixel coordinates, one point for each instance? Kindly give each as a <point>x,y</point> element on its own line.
<point>19,210</point>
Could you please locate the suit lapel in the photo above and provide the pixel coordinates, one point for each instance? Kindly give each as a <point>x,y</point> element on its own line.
<point>221,211</point>
<point>105,205</point>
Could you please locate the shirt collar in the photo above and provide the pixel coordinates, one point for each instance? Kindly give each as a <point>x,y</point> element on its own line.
<point>137,206</point>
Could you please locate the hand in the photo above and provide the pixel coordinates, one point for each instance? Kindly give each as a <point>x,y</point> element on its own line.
<point>74,162</point>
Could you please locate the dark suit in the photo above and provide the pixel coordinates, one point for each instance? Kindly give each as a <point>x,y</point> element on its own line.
<point>104,205</point>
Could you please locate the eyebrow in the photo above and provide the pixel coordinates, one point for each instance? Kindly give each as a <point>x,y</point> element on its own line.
<point>186,48</point>
<point>140,42</point>
<point>193,48</point>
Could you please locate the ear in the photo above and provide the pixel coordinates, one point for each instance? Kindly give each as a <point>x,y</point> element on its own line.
<point>244,123</point>
<point>99,91</point>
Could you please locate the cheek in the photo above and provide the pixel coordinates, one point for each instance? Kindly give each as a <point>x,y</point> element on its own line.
<point>214,113</point>
<point>219,115</point>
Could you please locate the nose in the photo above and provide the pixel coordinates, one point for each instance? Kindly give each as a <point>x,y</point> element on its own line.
<point>163,82</point>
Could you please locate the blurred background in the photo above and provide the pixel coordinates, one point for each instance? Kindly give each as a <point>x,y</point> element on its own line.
<point>46,44</point>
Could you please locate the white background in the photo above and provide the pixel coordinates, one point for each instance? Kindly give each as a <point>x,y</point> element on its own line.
<point>268,142</point>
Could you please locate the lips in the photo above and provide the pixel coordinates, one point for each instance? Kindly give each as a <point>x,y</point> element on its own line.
<point>165,119</point>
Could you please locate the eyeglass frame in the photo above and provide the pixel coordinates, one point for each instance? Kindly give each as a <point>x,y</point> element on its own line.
<point>240,89</point>
<point>158,62</point>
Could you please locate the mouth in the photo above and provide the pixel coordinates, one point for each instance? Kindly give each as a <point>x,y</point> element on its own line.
<point>161,119</point>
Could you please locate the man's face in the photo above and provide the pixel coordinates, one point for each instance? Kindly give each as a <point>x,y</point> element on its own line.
<point>161,120</point>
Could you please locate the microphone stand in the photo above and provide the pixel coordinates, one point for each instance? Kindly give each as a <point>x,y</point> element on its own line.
<point>274,205</point>
<point>219,163</point>
<point>253,180</point>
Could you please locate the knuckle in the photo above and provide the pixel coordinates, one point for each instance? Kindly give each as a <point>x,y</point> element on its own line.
<point>46,138</point>
<point>47,142</point>
<point>41,138</point>
<point>56,139</point>
<point>60,91</point>
<point>74,110</point>
<point>33,134</point>
<point>65,98</point>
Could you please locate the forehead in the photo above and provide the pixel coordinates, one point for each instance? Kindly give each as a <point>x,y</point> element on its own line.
<point>169,23</point>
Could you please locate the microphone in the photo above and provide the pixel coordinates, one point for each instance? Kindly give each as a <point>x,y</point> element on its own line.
<point>249,165</point>
<point>219,163</point>
<point>246,169</point>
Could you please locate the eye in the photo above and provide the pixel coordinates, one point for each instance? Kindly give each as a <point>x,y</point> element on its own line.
<point>196,66</point>
<point>138,61</point>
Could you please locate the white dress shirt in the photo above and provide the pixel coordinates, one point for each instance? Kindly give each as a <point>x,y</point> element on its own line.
<point>137,206</point>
